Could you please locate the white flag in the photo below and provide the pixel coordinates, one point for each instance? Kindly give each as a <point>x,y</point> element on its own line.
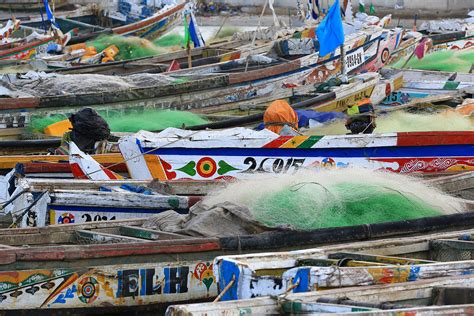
<point>275,18</point>
<point>348,12</point>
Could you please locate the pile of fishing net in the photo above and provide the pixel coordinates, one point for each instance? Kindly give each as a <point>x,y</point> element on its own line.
<point>401,121</point>
<point>136,47</point>
<point>447,60</point>
<point>131,121</point>
<point>334,198</point>
<point>57,85</point>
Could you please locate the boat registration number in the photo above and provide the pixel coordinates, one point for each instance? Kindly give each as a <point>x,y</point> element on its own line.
<point>355,59</point>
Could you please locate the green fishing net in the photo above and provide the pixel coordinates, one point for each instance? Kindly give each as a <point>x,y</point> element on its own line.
<point>39,124</point>
<point>170,40</point>
<point>226,32</point>
<point>311,205</point>
<point>459,61</point>
<point>136,47</point>
<point>150,120</point>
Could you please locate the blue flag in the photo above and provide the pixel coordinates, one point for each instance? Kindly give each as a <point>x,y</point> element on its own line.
<point>331,32</point>
<point>195,34</point>
<point>50,14</point>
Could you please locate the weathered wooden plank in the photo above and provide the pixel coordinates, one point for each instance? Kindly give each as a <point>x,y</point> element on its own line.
<point>463,245</point>
<point>453,295</point>
<point>102,251</point>
<point>377,258</point>
<point>334,262</point>
<point>426,100</point>
<point>150,234</point>
<point>97,237</point>
<point>186,187</point>
<point>119,199</point>
<point>56,234</point>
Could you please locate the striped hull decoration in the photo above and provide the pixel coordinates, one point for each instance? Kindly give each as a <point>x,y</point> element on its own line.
<point>421,152</point>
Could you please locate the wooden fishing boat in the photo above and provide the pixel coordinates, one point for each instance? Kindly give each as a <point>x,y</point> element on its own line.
<point>248,281</point>
<point>112,266</point>
<point>317,271</point>
<point>211,54</point>
<point>338,98</point>
<point>432,81</point>
<point>24,43</point>
<point>240,81</point>
<point>57,164</point>
<point>237,153</point>
<point>27,4</point>
<point>440,296</point>
<point>150,28</point>
<point>93,202</point>
<point>449,35</point>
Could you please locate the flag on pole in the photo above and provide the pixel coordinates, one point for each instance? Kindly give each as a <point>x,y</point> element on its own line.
<point>361,6</point>
<point>420,50</point>
<point>315,9</point>
<point>331,32</point>
<point>191,32</point>
<point>50,14</point>
<point>187,36</point>
<point>194,33</point>
<point>372,9</point>
<point>275,18</point>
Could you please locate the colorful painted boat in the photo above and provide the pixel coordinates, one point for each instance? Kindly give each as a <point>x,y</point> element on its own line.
<point>433,81</point>
<point>238,153</point>
<point>441,296</point>
<point>449,34</point>
<point>150,28</point>
<point>311,270</point>
<point>94,203</point>
<point>224,84</point>
<point>119,266</point>
<point>156,25</point>
<point>259,280</point>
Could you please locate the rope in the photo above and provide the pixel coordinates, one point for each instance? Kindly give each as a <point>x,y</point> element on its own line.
<point>255,33</point>
<point>293,286</point>
<point>227,288</point>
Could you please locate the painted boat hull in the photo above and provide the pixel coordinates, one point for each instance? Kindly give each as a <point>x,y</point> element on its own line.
<point>130,275</point>
<point>150,28</point>
<point>221,158</point>
<point>255,86</point>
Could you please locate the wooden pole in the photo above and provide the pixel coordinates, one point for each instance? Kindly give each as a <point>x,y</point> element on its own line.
<point>344,78</point>
<point>255,34</point>
<point>222,25</point>
<point>409,58</point>
<point>188,45</point>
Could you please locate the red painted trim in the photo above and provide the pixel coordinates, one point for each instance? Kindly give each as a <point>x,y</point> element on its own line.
<point>150,21</point>
<point>76,252</point>
<point>19,103</point>
<point>77,171</point>
<point>264,72</point>
<point>19,49</point>
<point>276,143</point>
<point>64,167</point>
<point>193,200</point>
<point>110,174</point>
<point>435,138</point>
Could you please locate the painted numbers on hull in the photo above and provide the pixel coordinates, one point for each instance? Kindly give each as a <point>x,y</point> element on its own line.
<point>144,282</point>
<point>273,165</point>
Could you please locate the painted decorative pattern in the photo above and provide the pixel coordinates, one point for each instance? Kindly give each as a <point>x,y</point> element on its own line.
<point>402,153</point>
<point>124,285</point>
